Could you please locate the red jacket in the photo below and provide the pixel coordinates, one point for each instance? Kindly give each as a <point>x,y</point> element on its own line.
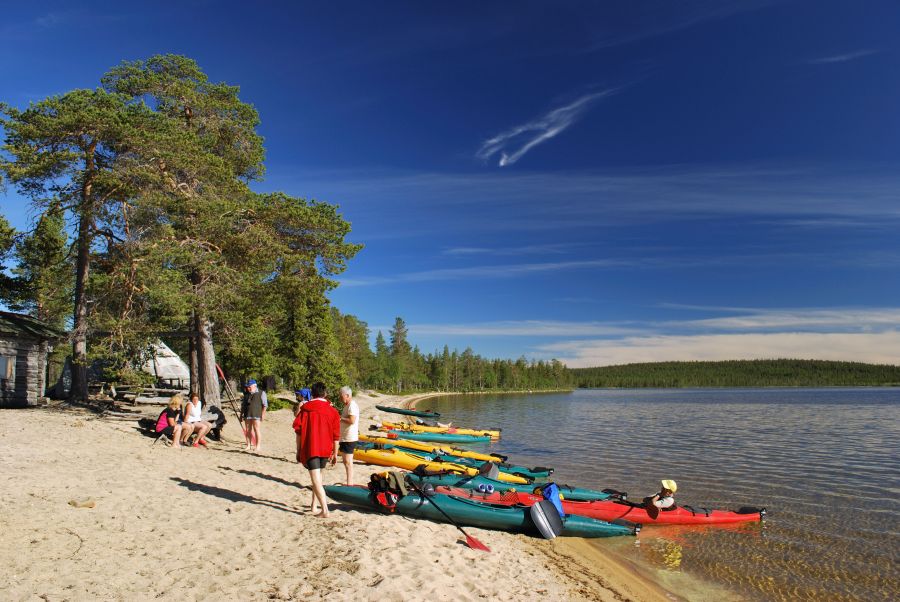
<point>319,426</point>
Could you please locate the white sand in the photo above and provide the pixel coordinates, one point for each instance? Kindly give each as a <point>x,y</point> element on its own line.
<point>222,523</point>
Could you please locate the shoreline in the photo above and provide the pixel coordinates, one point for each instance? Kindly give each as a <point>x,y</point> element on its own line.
<point>100,511</point>
<point>576,559</point>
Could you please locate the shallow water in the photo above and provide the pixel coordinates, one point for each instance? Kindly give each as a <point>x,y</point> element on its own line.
<point>824,462</point>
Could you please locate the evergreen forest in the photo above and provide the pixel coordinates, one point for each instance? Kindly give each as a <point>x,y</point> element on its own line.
<point>739,373</point>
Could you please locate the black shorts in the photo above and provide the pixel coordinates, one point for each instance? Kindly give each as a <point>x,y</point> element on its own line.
<point>317,462</point>
<point>347,447</point>
<point>169,431</point>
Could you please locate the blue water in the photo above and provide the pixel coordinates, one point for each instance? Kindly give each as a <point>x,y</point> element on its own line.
<point>824,462</point>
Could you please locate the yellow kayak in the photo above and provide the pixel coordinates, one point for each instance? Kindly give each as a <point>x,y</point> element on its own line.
<point>400,459</point>
<point>418,428</point>
<point>431,447</point>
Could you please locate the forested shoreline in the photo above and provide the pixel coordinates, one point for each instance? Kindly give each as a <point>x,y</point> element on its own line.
<point>739,373</point>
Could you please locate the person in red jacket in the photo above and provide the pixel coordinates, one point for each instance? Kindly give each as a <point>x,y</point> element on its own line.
<point>318,428</point>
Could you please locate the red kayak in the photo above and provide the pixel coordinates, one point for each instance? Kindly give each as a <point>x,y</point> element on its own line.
<point>610,510</point>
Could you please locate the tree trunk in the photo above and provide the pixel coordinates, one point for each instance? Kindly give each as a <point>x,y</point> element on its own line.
<point>82,268</point>
<point>206,362</point>
<point>193,362</point>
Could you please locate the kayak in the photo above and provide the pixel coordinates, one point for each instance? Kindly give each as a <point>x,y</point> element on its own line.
<point>503,471</point>
<point>538,473</point>
<point>428,447</point>
<point>400,459</point>
<point>448,437</point>
<point>471,513</point>
<point>455,480</point>
<point>406,412</point>
<point>611,510</point>
<point>420,428</point>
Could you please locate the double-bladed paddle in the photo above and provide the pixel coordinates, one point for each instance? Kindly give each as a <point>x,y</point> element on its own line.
<point>470,540</point>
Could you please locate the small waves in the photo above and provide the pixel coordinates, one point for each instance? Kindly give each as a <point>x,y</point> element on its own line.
<point>824,463</point>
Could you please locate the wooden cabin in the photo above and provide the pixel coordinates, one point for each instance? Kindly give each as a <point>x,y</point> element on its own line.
<point>24,345</point>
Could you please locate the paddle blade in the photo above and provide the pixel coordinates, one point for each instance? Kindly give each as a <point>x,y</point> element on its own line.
<point>475,544</point>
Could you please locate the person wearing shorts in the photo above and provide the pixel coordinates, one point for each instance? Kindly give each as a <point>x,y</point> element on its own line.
<point>318,430</point>
<point>349,431</point>
<point>169,421</point>
<point>253,409</point>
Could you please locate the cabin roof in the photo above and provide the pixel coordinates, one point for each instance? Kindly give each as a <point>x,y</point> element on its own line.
<point>23,325</point>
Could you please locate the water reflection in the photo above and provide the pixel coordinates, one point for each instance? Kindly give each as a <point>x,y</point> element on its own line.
<point>825,463</point>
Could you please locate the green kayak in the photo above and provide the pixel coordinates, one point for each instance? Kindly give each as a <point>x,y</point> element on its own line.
<point>570,493</point>
<point>440,437</point>
<point>470,513</point>
<point>409,412</point>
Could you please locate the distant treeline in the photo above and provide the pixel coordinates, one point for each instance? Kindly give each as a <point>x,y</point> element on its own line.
<point>739,373</point>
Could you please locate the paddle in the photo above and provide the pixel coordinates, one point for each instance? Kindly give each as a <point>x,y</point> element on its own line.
<point>470,540</point>
<point>232,396</point>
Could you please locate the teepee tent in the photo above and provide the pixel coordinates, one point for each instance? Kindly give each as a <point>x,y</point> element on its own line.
<point>167,367</point>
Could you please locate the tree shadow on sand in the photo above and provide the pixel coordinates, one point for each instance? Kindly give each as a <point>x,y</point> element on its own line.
<point>267,477</point>
<point>234,496</point>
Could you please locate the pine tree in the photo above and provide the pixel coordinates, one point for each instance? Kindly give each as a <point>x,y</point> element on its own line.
<point>44,269</point>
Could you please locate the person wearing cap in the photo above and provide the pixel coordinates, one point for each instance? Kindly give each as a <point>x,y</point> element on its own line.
<point>666,497</point>
<point>253,410</point>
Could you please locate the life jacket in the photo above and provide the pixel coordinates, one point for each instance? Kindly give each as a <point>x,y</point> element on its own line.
<point>386,490</point>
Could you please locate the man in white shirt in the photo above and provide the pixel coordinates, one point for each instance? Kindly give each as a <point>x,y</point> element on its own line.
<point>349,431</point>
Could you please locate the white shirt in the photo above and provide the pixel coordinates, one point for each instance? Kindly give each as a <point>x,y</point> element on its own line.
<point>350,432</point>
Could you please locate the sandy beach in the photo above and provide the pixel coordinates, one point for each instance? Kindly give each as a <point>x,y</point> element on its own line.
<point>167,523</point>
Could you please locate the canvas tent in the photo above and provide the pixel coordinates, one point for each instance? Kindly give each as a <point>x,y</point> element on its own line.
<point>167,367</point>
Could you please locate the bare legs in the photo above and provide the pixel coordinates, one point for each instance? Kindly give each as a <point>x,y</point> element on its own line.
<point>186,430</point>
<point>318,492</point>
<point>252,433</point>
<point>348,466</point>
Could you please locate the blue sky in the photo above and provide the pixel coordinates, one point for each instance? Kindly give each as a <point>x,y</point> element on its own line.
<point>599,182</point>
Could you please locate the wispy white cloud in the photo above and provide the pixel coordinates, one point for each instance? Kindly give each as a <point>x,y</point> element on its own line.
<point>549,249</point>
<point>790,197</point>
<point>489,271</point>
<point>515,142</point>
<point>838,319</point>
<point>520,328</point>
<point>843,58</point>
<point>857,334</point>
<point>878,348</point>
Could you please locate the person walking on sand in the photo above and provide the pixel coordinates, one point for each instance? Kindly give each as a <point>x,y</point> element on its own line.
<point>349,431</point>
<point>254,410</point>
<point>318,431</point>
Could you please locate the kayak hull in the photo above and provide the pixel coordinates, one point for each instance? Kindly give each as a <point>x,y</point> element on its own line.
<point>439,437</point>
<point>612,510</point>
<point>420,428</point>
<point>398,458</point>
<point>428,447</point>
<point>471,513</point>
<point>454,480</point>
<point>406,412</point>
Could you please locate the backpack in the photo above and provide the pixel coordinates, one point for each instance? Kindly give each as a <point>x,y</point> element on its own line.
<point>386,490</point>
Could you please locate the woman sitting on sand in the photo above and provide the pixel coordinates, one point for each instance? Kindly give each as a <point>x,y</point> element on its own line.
<point>193,422</point>
<point>169,421</point>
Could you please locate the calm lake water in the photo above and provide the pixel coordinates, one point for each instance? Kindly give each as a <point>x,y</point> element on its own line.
<point>824,462</point>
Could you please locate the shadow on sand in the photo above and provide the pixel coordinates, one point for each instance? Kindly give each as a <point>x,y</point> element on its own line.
<point>234,496</point>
